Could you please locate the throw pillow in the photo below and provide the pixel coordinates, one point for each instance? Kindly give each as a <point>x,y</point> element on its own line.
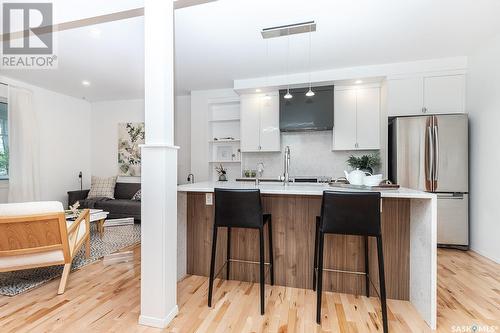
<point>137,196</point>
<point>102,188</point>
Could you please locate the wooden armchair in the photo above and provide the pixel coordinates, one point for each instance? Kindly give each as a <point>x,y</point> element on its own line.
<point>36,234</point>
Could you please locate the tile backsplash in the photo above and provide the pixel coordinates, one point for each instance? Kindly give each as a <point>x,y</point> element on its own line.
<point>310,155</point>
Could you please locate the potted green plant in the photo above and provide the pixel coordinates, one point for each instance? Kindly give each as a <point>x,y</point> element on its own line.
<point>221,171</point>
<point>366,163</point>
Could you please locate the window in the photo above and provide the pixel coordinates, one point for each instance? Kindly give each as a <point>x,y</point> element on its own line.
<point>4,141</point>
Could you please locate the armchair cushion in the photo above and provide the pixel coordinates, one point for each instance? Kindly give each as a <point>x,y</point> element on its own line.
<point>30,208</point>
<point>33,259</point>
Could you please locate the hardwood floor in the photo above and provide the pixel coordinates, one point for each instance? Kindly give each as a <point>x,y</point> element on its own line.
<point>105,298</point>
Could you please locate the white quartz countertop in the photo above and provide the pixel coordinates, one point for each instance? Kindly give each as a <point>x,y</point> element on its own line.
<point>300,189</point>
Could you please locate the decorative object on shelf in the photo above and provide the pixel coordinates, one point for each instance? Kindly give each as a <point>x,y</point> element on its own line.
<point>224,153</point>
<point>221,172</point>
<point>130,136</point>
<point>229,138</point>
<point>365,163</point>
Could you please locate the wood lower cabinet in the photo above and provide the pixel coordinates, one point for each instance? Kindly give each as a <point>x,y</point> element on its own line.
<point>293,219</point>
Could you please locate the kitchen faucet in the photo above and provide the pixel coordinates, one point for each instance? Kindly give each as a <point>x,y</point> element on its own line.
<point>190,178</point>
<point>286,166</point>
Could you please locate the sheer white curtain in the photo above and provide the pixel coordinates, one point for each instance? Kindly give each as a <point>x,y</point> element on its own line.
<point>24,178</point>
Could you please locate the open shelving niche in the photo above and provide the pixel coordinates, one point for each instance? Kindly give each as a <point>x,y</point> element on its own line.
<point>224,122</point>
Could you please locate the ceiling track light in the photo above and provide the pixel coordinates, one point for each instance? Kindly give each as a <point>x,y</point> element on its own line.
<point>289,29</point>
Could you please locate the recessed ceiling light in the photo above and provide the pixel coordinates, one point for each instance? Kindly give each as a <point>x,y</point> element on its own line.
<point>95,32</point>
<point>86,83</point>
<point>358,81</point>
<point>257,90</point>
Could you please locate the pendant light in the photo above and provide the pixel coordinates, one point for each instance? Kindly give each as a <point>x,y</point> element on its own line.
<point>288,95</point>
<point>310,93</point>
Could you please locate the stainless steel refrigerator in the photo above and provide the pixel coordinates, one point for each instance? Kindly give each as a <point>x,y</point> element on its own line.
<point>430,153</point>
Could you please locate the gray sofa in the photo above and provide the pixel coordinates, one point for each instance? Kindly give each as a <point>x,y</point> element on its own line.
<point>120,207</point>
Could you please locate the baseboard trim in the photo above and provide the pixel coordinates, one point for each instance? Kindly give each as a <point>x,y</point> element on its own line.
<point>158,322</point>
<point>485,255</point>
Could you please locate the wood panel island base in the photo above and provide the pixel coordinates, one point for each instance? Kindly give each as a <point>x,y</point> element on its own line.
<point>408,233</point>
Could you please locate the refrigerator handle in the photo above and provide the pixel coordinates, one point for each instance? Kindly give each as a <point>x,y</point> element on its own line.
<point>430,155</point>
<point>436,153</point>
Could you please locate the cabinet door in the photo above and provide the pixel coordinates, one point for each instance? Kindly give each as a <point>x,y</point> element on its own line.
<point>249,122</point>
<point>368,118</point>
<point>344,120</point>
<point>405,96</point>
<point>270,123</point>
<point>444,94</point>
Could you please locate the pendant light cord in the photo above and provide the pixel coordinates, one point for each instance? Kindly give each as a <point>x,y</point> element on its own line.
<point>288,61</point>
<point>309,65</point>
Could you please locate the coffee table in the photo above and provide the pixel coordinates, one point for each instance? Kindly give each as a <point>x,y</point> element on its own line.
<point>98,216</point>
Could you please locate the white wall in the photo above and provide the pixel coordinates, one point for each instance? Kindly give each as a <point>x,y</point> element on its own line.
<point>200,100</point>
<point>105,119</point>
<point>64,126</point>
<point>483,104</point>
<point>182,132</point>
<point>107,115</point>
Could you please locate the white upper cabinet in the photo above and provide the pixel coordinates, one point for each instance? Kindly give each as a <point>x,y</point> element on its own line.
<point>344,119</point>
<point>405,96</point>
<point>270,123</point>
<point>249,122</point>
<point>356,118</point>
<point>368,118</point>
<point>444,94</point>
<point>426,95</point>
<point>260,123</point>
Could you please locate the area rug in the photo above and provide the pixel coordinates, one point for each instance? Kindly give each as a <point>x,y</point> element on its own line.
<point>114,239</point>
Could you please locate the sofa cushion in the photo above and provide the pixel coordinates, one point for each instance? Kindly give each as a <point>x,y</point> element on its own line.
<point>90,203</point>
<point>126,190</point>
<point>121,206</point>
<point>102,187</point>
<point>137,196</point>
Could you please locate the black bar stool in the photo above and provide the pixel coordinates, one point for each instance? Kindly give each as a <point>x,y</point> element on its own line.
<point>349,213</point>
<point>241,209</point>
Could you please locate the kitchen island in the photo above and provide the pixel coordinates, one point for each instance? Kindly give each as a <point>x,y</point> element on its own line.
<point>408,232</point>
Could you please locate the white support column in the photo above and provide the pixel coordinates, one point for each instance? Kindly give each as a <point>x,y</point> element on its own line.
<point>159,171</point>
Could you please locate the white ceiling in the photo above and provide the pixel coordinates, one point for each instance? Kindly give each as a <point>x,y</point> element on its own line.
<point>112,62</point>
<point>219,42</point>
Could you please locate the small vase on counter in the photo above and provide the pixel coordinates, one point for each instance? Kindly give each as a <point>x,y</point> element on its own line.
<point>221,171</point>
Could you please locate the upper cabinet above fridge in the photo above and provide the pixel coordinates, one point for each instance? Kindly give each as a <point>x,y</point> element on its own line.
<point>420,95</point>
